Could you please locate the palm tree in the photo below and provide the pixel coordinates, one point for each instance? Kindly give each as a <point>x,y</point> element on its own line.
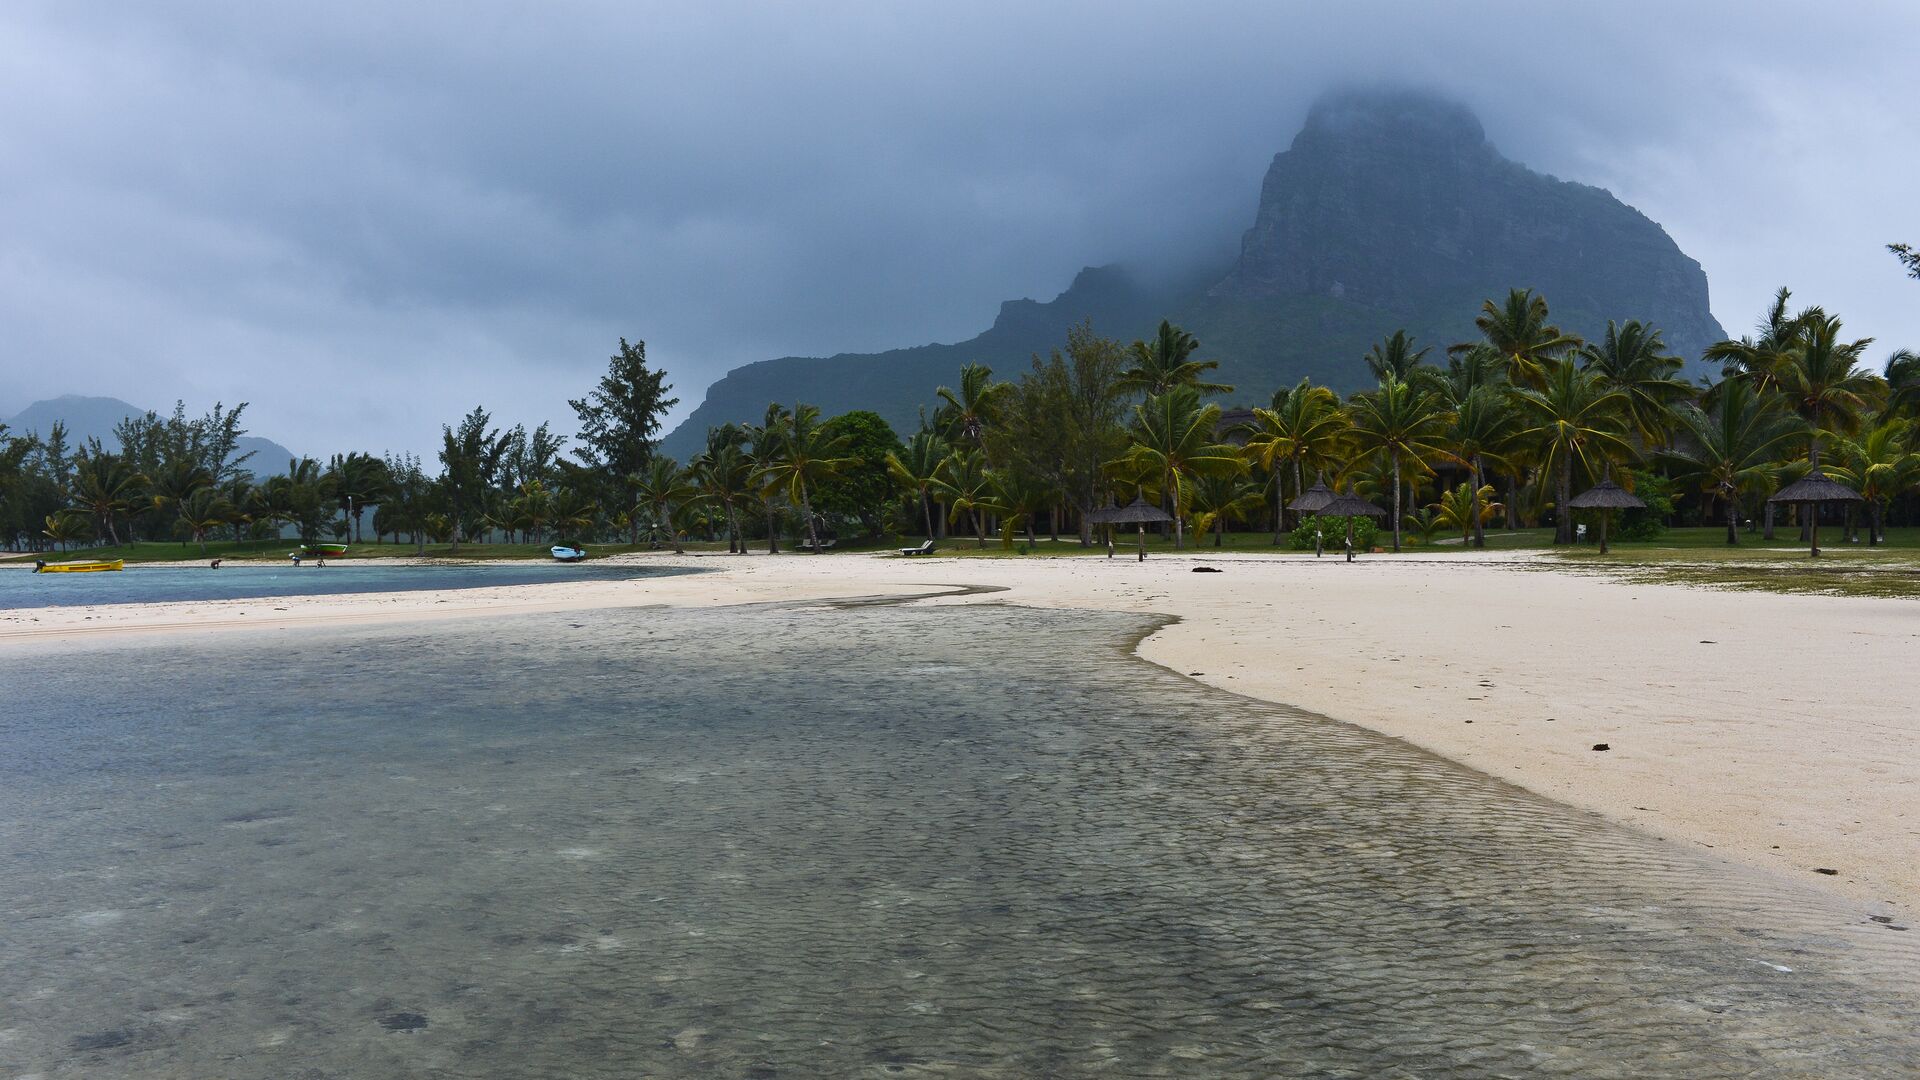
<point>967,486</point>
<point>1018,497</point>
<point>1404,423</point>
<point>1167,362</point>
<point>1480,429</point>
<point>203,511</point>
<point>807,455</point>
<point>1519,331</point>
<point>1173,442</point>
<point>1395,356</point>
<point>661,485</point>
<point>1220,497</point>
<point>572,513</point>
<point>1823,381</point>
<point>174,483</point>
<point>1903,382</point>
<point>725,474</point>
<point>1758,354</point>
<point>915,466</point>
<point>355,481</point>
<point>1573,416</point>
<point>1466,509</point>
<point>1731,448</point>
<point>1880,466</point>
<point>1305,426</point>
<point>966,414</point>
<point>767,438</point>
<point>105,486</point>
<point>1633,359</point>
<point>65,528</point>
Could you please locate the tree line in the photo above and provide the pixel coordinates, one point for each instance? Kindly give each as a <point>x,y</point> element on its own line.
<point>1507,426</point>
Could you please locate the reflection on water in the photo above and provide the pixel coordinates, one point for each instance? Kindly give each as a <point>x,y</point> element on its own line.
<point>875,842</point>
<point>20,587</point>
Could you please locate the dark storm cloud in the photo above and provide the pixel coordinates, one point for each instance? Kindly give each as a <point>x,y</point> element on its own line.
<point>366,218</point>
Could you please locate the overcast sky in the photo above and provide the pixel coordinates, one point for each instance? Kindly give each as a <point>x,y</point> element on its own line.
<point>365,218</point>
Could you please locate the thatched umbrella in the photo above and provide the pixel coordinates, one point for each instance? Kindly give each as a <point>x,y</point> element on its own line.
<point>1350,506</point>
<point>1606,497</point>
<point>1138,512</point>
<point>1814,489</point>
<point>1312,501</point>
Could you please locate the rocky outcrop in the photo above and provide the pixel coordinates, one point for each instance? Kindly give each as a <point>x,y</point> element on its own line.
<point>1390,210</point>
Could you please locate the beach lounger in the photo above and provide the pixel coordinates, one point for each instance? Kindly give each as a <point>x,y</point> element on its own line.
<point>923,549</point>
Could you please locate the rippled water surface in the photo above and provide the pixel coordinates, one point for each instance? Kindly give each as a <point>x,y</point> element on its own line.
<point>876,841</point>
<point>20,587</point>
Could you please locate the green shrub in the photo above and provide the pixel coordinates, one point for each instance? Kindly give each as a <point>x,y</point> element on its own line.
<point>1364,531</point>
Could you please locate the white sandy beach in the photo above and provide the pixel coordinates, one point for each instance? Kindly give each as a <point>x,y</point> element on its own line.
<point>1777,730</point>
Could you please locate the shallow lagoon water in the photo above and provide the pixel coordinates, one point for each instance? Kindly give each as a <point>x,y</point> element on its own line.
<point>872,841</point>
<point>20,587</point>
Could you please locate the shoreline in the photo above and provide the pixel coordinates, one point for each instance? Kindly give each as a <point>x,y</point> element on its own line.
<point>1769,728</point>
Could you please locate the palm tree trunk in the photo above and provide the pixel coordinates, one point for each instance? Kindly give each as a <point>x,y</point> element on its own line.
<point>666,515</point>
<point>806,507</point>
<point>979,524</point>
<point>1767,514</point>
<point>926,510</point>
<point>773,534</point>
<point>1562,495</point>
<point>1873,523</point>
<point>1733,518</point>
<point>1279,506</point>
<point>1396,502</point>
<point>1479,523</point>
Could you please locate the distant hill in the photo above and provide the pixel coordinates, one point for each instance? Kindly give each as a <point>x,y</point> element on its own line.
<point>96,417</point>
<point>1390,210</point>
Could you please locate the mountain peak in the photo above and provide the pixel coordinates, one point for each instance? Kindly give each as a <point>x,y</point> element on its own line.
<point>1411,118</point>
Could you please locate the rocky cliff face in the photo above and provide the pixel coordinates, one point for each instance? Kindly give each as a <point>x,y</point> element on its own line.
<point>1390,210</point>
<point>1396,202</point>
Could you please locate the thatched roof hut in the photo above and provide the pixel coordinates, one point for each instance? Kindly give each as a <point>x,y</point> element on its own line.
<point>1137,512</point>
<point>1350,506</point>
<point>1313,499</point>
<point>1606,495</point>
<point>1815,488</point>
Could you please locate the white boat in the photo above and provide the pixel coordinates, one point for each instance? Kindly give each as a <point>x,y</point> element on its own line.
<point>568,554</point>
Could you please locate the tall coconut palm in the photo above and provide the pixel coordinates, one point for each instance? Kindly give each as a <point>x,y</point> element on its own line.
<point>1759,353</point>
<point>1166,362</point>
<point>1480,431</point>
<point>1903,383</point>
<point>725,475</point>
<point>1633,359</point>
<point>1403,423</point>
<point>915,466</point>
<point>1823,381</point>
<point>1520,331</point>
<point>1573,417</point>
<point>1731,448</point>
<point>766,438</point>
<point>1880,465</point>
<point>965,414</point>
<point>1173,443</point>
<point>966,485</point>
<point>1305,427</point>
<point>662,485</point>
<point>808,454</point>
<point>1397,357</point>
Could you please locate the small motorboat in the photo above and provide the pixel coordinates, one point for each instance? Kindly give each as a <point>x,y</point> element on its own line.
<point>93,567</point>
<point>564,553</point>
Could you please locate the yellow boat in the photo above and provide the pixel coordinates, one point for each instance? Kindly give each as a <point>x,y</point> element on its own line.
<point>79,567</point>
